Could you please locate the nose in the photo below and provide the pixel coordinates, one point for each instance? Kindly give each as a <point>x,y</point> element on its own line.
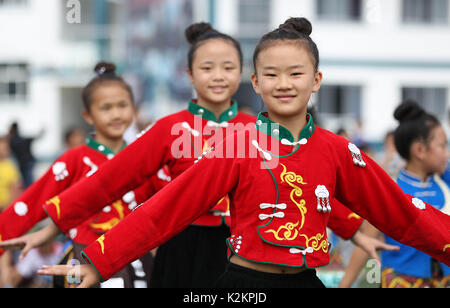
<point>218,74</point>
<point>283,83</point>
<point>116,113</point>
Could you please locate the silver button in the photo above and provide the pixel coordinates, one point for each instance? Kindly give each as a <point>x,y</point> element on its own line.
<point>276,131</point>
<point>259,122</point>
<point>201,111</point>
<point>101,148</point>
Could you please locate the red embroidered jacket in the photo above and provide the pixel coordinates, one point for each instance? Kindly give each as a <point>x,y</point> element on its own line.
<point>69,168</point>
<point>280,202</point>
<point>178,141</point>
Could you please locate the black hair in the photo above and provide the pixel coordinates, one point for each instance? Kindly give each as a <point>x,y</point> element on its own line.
<point>293,29</point>
<point>415,125</point>
<point>106,72</point>
<point>198,33</point>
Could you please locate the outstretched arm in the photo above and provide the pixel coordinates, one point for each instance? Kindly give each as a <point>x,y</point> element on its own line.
<point>129,169</point>
<point>366,189</point>
<point>161,217</point>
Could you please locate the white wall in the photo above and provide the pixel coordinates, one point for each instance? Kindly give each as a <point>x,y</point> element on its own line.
<point>32,34</point>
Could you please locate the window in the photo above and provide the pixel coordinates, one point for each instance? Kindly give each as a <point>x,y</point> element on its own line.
<point>339,10</point>
<point>433,100</point>
<point>13,82</point>
<point>340,100</point>
<point>254,17</point>
<point>425,11</point>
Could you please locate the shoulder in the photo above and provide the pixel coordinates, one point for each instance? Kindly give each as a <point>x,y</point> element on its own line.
<point>174,117</point>
<point>328,138</point>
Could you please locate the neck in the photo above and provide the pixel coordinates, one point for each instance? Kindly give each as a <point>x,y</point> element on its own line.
<point>294,124</point>
<point>216,108</point>
<point>415,169</point>
<point>115,144</point>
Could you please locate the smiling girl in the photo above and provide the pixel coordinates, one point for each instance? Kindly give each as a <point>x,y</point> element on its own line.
<point>109,108</point>
<point>279,214</point>
<point>197,256</point>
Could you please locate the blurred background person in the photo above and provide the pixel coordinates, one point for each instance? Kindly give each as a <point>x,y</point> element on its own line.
<point>22,152</point>
<point>10,183</point>
<point>74,137</point>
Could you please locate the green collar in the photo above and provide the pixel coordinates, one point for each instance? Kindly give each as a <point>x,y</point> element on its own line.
<point>275,130</point>
<point>90,142</point>
<point>227,115</point>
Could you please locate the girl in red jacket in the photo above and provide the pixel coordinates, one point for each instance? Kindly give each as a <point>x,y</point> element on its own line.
<point>282,176</point>
<point>109,108</point>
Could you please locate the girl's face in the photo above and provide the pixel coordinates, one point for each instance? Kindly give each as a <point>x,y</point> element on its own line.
<point>216,72</point>
<point>111,110</point>
<point>285,78</point>
<point>435,154</point>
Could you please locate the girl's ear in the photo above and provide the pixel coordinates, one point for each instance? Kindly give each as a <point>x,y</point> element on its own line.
<point>189,73</point>
<point>255,84</point>
<point>317,82</point>
<point>418,150</point>
<point>87,117</point>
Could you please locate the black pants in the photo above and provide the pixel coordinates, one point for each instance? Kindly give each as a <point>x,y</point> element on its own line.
<point>237,276</point>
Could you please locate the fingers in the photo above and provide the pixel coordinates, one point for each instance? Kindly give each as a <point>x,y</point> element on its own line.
<point>14,244</point>
<point>389,247</point>
<point>55,270</point>
<point>25,251</point>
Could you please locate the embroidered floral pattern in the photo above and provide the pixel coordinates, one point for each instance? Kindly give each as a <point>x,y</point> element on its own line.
<point>292,179</point>
<point>287,232</point>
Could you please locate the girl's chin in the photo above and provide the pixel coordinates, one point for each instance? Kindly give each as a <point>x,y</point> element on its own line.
<point>286,112</point>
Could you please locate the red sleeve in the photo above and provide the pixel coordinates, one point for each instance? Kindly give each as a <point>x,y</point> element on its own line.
<point>26,211</point>
<point>366,189</point>
<point>164,215</point>
<point>343,222</point>
<point>129,169</point>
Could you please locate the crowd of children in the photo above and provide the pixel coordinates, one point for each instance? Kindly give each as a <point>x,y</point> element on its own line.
<point>210,196</point>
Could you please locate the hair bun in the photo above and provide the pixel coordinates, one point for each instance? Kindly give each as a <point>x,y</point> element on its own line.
<point>408,110</point>
<point>298,24</point>
<point>194,31</point>
<point>105,68</point>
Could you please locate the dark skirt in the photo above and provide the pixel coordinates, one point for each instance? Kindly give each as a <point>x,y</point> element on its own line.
<point>237,276</point>
<point>195,258</point>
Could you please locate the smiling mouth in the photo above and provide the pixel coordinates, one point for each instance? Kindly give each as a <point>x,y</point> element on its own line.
<point>285,98</point>
<point>218,89</point>
<point>116,125</point>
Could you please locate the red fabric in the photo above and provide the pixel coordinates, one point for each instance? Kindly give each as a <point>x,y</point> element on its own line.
<point>342,221</point>
<point>68,169</point>
<point>324,160</point>
<point>167,142</point>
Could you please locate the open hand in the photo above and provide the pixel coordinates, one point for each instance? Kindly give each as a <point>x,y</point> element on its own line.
<point>85,273</point>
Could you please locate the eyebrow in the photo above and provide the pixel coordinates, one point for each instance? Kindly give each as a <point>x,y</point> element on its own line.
<point>290,67</point>
<point>211,62</point>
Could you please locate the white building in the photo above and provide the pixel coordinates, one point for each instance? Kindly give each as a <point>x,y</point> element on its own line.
<point>374,53</point>
<point>45,59</point>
